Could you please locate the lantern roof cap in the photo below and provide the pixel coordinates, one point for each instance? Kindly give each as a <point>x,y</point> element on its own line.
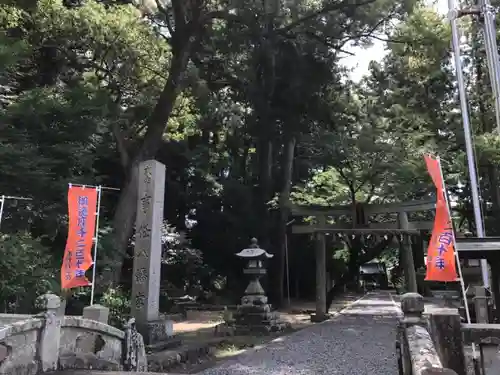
<point>254,251</point>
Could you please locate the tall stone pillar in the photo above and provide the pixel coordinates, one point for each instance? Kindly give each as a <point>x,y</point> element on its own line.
<point>481,304</point>
<point>321,313</point>
<point>495,284</point>
<point>147,254</point>
<point>409,264</point>
<point>445,325</point>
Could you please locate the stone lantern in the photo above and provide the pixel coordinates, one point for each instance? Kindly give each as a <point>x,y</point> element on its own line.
<point>254,314</point>
<point>254,293</point>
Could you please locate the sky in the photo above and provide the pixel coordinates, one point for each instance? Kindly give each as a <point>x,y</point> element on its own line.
<point>362,56</point>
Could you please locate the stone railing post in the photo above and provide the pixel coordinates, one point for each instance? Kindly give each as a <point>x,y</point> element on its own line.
<point>413,308</point>
<point>446,330</point>
<point>412,305</point>
<point>134,351</point>
<point>62,308</point>
<point>419,355</point>
<point>481,304</point>
<point>96,312</point>
<point>51,332</point>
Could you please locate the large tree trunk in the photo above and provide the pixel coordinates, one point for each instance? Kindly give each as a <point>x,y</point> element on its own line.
<point>354,263</point>
<point>265,72</point>
<point>264,191</point>
<point>123,221</point>
<point>123,226</point>
<point>355,244</point>
<point>287,166</point>
<point>417,244</point>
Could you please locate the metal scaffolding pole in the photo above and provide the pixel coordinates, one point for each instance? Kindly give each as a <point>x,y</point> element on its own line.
<point>471,162</point>
<point>491,47</point>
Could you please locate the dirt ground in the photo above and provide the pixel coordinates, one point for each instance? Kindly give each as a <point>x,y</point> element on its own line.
<point>298,314</point>
<point>200,321</point>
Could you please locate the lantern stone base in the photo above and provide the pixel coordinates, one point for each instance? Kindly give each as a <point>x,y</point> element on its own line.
<point>257,319</point>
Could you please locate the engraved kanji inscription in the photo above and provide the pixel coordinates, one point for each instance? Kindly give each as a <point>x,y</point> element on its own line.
<point>142,253</point>
<point>140,301</point>
<point>145,203</point>
<point>148,174</point>
<point>152,302</point>
<point>143,231</point>
<point>141,276</point>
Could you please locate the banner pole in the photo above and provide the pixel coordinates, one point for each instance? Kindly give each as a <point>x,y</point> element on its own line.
<point>455,249</point>
<point>1,208</point>
<point>469,149</point>
<point>96,242</point>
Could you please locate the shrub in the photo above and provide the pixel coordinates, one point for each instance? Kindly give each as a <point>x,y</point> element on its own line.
<point>26,272</point>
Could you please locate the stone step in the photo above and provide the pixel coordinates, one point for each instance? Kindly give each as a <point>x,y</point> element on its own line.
<point>94,372</point>
<point>169,359</point>
<point>173,342</point>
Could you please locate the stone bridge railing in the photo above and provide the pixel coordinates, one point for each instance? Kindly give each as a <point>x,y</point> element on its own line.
<point>50,341</point>
<point>436,342</point>
<point>6,319</point>
<point>417,354</point>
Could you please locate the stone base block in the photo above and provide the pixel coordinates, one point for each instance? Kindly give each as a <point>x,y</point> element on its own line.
<point>158,335</point>
<point>257,319</point>
<point>252,330</point>
<point>85,361</point>
<point>261,329</point>
<point>224,329</point>
<point>315,318</point>
<point>243,309</point>
<point>168,360</point>
<point>169,344</point>
<point>25,368</point>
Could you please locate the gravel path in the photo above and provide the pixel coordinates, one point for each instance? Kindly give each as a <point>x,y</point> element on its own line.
<point>360,341</point>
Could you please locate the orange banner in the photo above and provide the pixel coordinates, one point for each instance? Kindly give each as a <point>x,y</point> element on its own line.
<point>82,206</point>
<point>441,265</point>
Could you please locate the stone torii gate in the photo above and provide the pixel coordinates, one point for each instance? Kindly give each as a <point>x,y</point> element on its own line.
<point>360,215</point>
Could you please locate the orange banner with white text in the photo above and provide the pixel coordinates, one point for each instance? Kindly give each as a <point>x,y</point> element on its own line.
<point>441,264</point>
<point>82,208</point>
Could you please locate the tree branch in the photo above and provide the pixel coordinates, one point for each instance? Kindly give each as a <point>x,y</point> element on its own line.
<point>222,15</point>
<point>120,145</point>
<point>318,38</point>
<point>325,10</point>
<point>370,194</point>
<point>376,250</point>
<point>419,42</point>
<point>370,32</point>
